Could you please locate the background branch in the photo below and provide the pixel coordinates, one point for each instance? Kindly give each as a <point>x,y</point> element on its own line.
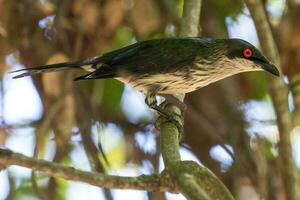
<point>279,95</point>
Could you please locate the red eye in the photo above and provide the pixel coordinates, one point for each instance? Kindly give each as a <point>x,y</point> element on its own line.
<point>247,53</point>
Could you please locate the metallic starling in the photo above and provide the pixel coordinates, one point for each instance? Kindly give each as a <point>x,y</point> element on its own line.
<point>169,66</point>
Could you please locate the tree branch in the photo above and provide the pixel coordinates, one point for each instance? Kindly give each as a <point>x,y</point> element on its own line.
<point>193,181</point>
<point>279,95</point>
<point>143,182</point>
<point>169,132</point>
<point>189,26</point>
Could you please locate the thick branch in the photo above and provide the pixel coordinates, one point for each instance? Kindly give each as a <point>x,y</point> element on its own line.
<point>197,182</point>
<point>169,142</point>
<point>149,183</point>
<point>169,132</point>
<point>190,187</point>
<point>193,181</point>
<point>189,26</point>
<point>279,95</point>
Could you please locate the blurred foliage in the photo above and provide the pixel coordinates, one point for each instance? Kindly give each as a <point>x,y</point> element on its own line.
<point>86,28</point>
<point>259,90</point>
<point>227,8</point>
<point>108,92</point>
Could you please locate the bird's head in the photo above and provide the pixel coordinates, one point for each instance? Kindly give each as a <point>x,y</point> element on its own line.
<point>242,56</point>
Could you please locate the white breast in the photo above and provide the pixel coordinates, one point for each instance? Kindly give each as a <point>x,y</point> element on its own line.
<point>185,82</point>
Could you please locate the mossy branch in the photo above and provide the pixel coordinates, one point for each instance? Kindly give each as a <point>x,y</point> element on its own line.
<point>192,180</point>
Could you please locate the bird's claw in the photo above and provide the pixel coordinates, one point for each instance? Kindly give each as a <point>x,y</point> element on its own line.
<point>173,118</point>
<point>151,101</point>
<point>170,99</point>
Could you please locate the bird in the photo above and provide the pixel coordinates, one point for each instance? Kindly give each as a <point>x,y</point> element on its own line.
<point>168,65</point>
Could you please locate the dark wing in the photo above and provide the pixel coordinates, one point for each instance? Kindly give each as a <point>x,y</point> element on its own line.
<point>148,57</point>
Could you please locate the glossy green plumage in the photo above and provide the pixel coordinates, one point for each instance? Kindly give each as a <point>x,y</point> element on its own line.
<point>156,56</point>
<point>169,65</point>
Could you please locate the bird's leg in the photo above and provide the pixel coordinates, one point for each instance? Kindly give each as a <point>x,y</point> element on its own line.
<point>152,103</point>
<point>170,99</point>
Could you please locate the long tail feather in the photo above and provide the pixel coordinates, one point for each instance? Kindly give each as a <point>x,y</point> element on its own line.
<point>57,67</point>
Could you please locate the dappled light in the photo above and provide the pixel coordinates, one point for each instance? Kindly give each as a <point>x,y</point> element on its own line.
<point>242,130</point>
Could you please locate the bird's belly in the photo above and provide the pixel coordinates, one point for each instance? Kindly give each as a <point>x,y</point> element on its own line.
<point>180,81</point>
<point>164,83</point>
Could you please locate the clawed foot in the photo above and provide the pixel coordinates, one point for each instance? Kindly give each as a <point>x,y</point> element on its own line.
<point>170,99</point>
<point>174,118</point>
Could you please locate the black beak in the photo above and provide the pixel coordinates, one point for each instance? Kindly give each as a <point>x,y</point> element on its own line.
<point>269,67</point>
